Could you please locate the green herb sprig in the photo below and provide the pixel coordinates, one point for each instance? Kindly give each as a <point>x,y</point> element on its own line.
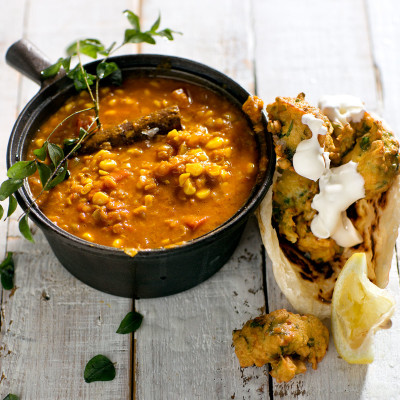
<point>51,161</point>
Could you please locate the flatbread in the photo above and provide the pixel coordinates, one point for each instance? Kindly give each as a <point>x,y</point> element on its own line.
<point>377,220</point>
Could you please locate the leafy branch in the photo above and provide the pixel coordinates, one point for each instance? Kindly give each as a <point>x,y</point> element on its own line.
<point>51,161</point>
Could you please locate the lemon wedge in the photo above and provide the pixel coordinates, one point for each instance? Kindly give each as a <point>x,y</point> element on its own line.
<point>359,308</point>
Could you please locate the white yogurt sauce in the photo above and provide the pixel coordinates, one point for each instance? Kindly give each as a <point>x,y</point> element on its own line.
<point>342,108</point>
<point>339,188</point>
<point>310,160</point>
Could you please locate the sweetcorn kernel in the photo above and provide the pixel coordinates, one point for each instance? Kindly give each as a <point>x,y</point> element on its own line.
<point>140,210</point>
<point>117,243</point>
<point>148,200</point>
<point>87,188</point>
<point>173,133</point>
<point>203,193</point>
<point>68,107</point>
<point>88,236</point>
<point>214,170</point>
<point>87,180</point>
<point>189,188</point>
<point>250,168</point>
<point>112,102</point>
<point>103,173</point>
<point>225,175</point>
<point>39,142</point>
<point>100,199</point>
<point>183,178</point>
<point>194,169</point>
<point>107,165</point>
<point>215,143</point>
<point>96,214</point>
<point>134,151</point>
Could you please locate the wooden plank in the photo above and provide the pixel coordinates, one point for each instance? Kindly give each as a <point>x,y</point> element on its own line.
<point>320,59</point>
<point>54,324</point>
<point>313,47</point>
<point>183,349</point>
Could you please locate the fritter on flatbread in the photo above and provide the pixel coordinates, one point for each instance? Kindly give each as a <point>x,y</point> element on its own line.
<point>303,259</point>
<point>285,340</point>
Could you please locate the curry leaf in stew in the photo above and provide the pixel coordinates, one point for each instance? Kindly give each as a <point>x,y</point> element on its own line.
<point>50,159</point>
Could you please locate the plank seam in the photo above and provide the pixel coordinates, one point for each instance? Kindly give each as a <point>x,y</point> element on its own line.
<point>377,72</point>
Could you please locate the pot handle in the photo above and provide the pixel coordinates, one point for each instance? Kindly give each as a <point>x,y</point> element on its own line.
<point>26,58</point>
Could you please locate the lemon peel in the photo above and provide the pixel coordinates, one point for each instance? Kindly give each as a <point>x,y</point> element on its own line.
<point>359,308</point>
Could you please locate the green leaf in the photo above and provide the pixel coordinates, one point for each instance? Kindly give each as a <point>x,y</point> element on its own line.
<point>24,228</point>
<point>168,33</point>
<point>134,36</point>
<point>11,397</point>
<point>2,210</point>
<point>44,173</point>
<point>89,47</point>
<point>99,368</point>
<point>56,153</point>
<point>156,24</point>
<point>83,133</point>
<point>8,260</point>
<point>69,145</point>
<point>78,76</point>
<point>7,276</point>
<point>105,69</point>
<point>21,169</point>
<point>107,52</point>
<point>116,77</point>
<point>60,176</point>
<point>130,323</point>
<point>12,205</point>
<point>66,63</point>
<point>51,71</point>
<point>133,19</point>
<point>41,153</point>
<point>9,187</point>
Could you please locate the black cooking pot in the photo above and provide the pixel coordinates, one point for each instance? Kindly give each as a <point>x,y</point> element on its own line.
<point>151,273</point>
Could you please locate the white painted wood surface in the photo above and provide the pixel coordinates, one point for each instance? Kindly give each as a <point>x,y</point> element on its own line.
<point>183,350</point>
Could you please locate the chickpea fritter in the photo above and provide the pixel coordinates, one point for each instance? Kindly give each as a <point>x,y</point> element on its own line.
<point>285,340</point>
<point>368,143</point>
<point>285,124</point>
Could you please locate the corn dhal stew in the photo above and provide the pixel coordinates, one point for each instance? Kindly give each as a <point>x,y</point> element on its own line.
<point>158,192</point>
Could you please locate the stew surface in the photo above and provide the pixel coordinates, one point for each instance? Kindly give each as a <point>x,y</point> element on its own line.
<point>158,192</point>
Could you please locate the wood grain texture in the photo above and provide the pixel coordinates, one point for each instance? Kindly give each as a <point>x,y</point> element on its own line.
<point>316,58</point>
<point>183,350</point>
<point>54,324</point>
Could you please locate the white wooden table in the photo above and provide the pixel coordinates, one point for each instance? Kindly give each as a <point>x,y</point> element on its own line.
<point>53,324</point>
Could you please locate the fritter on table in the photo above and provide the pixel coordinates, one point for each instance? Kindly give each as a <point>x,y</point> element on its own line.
<point>285,340</point>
